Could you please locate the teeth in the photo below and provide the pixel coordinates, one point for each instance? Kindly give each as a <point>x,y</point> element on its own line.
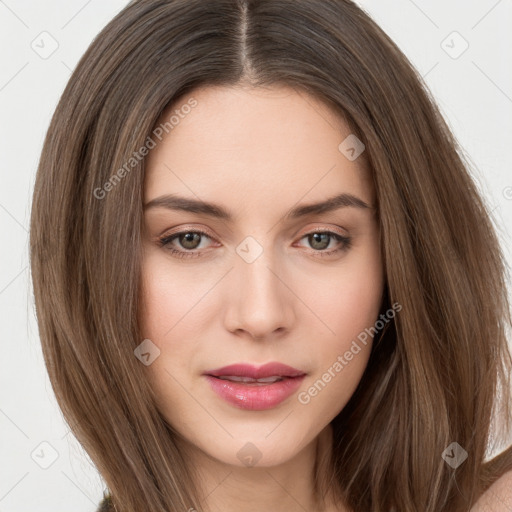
<point>249,379</point>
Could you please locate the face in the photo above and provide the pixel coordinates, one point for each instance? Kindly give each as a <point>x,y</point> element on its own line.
<point>258,278</point>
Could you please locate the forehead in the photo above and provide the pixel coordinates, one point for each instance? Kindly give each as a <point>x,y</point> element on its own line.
<point>250,145</point>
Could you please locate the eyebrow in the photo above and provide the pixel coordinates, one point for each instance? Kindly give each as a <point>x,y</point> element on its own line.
<point>178,203</point>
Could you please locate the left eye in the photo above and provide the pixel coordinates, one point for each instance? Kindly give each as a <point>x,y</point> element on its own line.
<point>320,240</point>
<point>190,241</point>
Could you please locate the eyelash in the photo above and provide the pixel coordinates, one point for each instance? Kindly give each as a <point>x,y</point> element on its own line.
<point>345,244</point>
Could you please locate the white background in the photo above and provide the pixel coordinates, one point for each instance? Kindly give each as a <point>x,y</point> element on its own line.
<point>474,92</point>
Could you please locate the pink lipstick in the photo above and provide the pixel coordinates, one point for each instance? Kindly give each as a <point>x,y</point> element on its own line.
<point>255,388</point>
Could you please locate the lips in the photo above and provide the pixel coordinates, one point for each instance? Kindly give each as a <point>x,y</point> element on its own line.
<point>250,380</point>
<point>250,372</point>
<point>255,388</point>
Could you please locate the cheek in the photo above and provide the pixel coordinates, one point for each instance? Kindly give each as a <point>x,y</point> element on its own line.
<point>349,300</point>
<point>167,317</point>
<point>350,308</point>
<point>358,304</point>
<point>170,300</point>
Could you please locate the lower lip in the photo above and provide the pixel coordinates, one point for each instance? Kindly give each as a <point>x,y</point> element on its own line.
<point>255,397</point>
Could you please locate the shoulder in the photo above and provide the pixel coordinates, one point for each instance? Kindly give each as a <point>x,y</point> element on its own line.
<point>498,498</point>
<point>105,505</point>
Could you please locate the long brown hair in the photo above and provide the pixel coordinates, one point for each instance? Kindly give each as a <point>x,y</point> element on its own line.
<point>437,373</point>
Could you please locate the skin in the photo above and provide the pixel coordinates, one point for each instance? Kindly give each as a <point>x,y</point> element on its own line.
<point>258,153</point>
<point>498,498</point>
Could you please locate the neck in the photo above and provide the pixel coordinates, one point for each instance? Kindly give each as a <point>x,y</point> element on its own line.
<point>291,485</point>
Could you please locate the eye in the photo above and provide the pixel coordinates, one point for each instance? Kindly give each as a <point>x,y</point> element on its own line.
<point>190,241</point>
<point>320,240</point>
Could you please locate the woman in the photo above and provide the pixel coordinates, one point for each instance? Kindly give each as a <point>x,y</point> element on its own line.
<point>269,282</point>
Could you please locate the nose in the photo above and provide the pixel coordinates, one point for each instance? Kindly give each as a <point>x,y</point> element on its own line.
<point>261,304</point>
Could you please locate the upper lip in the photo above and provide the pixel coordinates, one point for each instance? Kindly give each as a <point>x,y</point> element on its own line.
<point>256,372</point>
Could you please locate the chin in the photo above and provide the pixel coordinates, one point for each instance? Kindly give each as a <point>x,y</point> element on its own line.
<point>259,450</point>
